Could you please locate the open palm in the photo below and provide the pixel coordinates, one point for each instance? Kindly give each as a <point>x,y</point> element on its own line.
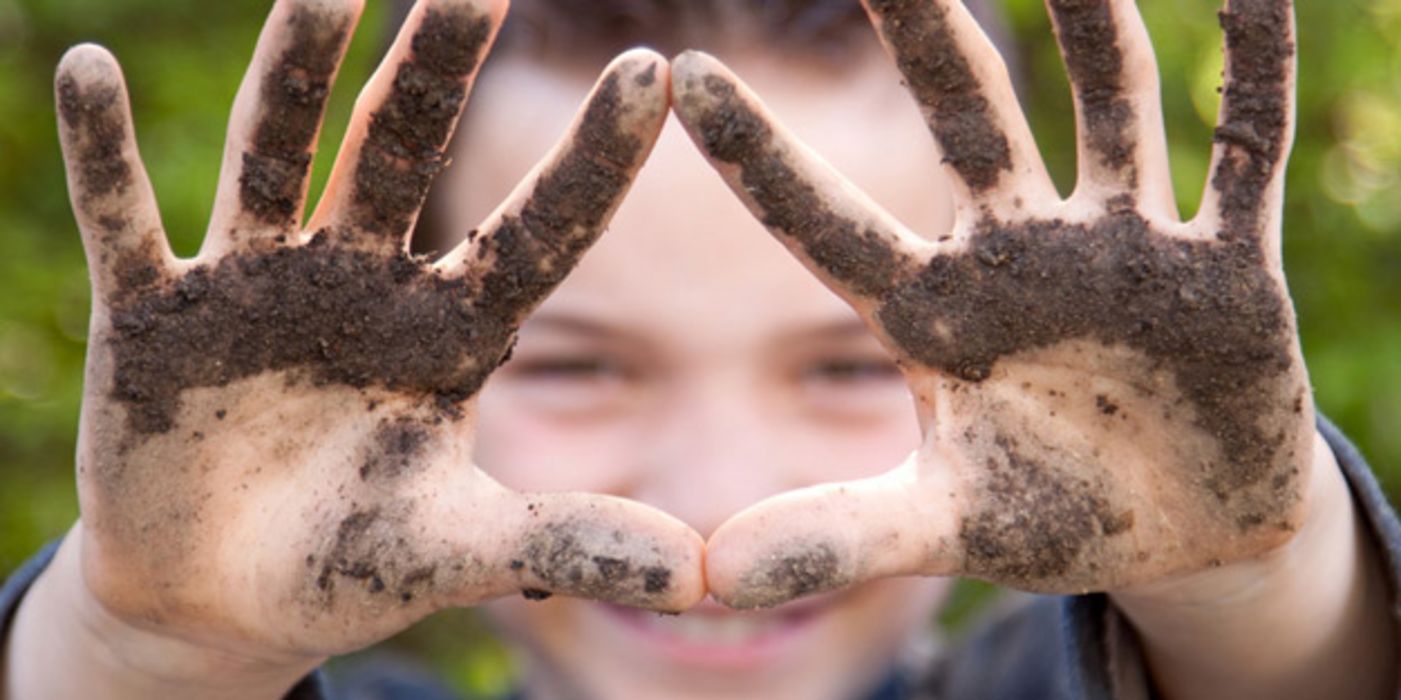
<point>275,453</point>
<point>1109,395</point>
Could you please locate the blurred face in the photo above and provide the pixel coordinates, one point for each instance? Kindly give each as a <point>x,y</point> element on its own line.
<point>691,364</point>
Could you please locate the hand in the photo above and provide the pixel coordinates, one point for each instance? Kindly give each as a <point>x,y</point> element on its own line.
<point>276,440</point>
<point>1109,395</point>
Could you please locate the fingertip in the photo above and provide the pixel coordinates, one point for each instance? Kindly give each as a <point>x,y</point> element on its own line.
<point>606,549</point>
<point>89,62</point>
<point>825,538</point>
<point>645,71</point>
<point>690,68</point>
<point>746,578</point>
<point>642,78</point>
<point>84,69</point>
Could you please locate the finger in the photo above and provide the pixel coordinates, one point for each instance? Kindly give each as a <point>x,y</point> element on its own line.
<point>107,184</point>
<point>856,248</point>
<point>961,84</point>
<point>829,537</point>
<point>275,121</point>
<point>603,548</point>
<point>1114,75</point>
<point>402,121</point>
<point>543,544</point>
<point>536,236</point>
<point>1256,125</point>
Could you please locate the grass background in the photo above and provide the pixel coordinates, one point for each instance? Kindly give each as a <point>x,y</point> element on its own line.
<point>184,60</point>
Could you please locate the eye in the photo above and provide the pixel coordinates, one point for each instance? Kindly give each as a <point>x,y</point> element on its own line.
<point>576,384</point>
<point>850,370</point>
<point>569,368</point>
<point>852,387</point>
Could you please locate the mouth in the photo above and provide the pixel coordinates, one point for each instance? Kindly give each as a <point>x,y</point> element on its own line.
<point>714,637</point>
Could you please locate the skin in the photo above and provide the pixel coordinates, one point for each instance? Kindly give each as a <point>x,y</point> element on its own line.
<point>1225,606</point>
<point>654,376</point>
<point>252,479</point>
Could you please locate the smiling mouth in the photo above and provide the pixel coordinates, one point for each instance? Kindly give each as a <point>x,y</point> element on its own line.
<point>713,636</point>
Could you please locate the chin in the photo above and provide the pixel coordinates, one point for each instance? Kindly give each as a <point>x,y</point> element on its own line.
<point>833,646</point>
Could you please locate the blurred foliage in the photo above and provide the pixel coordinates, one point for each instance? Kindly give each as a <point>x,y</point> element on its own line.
<point>183,62</point>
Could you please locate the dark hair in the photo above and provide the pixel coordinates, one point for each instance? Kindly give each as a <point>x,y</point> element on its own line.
<point>592,31</point>
<point>596,30</point>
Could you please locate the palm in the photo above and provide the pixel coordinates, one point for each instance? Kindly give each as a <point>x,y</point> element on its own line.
<point>275,451</point>
<point>1109,395</point>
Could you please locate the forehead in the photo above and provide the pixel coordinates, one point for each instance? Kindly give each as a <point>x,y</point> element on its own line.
<point>681,238</point>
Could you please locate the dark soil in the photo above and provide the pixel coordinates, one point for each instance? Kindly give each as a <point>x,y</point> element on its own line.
<point>404,146</point>
<point>332,315</point>
<point>366,553</point>
<point>532,252</point>
<point>1095,63</point>
<point>857,257</point>
<point>394,448</point>
<point>648,77</point>
<point>808,569</point>
<point>1035,523</point>
<point>1208,312</point>
<point>1255,110</point>
<point>293,100</point>
<point>96,117</point>
<point>941,80</point>
<point>566,563</point>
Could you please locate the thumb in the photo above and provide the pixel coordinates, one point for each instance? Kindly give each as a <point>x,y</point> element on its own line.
<point>599,547</point>
<point>832,536</point>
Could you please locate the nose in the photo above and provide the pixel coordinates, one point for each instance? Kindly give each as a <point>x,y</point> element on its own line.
<point>712,450</point>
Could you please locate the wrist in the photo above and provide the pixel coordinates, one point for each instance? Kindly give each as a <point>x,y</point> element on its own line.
<point>64,643</point>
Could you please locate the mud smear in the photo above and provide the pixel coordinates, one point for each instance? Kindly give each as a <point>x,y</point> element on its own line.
<point>1208,312</point>
<point>365,554</point>
<point>403,147</point>
<point>941,80</point>
<point>293,100</point>
<point>395,448</point>
<point>1095,63</point>
<point>563,557</point>
<point>1255,111</point>
<point>811,568</point>
<point>856,256</point>
<point>329,315</point>
<point>96,122</point>
<point>567,209</point>
<point>95,117</point>
<point>1035,523</point>
<point>648,77</point>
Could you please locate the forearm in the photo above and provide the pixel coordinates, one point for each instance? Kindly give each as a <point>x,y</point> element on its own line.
<point>63,645</point>
<point>1310,620</point>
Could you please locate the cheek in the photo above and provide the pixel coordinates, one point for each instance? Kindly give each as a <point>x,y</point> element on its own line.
<point>843,448</point>
<point>532,450</point>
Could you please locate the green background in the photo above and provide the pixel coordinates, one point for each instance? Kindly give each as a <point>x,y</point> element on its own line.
<point>183,62</point>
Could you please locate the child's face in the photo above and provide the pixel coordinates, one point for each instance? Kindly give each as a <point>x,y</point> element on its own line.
<point>690,363</point>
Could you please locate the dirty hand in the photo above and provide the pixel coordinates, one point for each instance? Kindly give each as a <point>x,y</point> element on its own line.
<point>275,452</point>
<point>1109,395</point>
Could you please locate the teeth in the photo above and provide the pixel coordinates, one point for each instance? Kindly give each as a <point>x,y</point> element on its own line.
<point>712,630</point>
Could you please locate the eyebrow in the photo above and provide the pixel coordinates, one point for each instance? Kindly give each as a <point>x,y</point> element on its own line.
<point>843,328</point>
<point>574,325</point>
<point>840,329</point>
